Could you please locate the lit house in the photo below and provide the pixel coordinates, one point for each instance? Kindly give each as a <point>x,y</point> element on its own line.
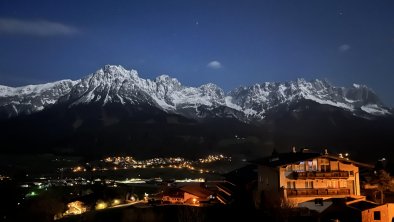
<point>383,212</point>
<point>188,194</point>
<point>297,177</point>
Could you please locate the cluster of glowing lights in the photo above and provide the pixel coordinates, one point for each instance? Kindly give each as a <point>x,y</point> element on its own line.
<point>129,162</point>
<point>74,208</point>
<point>214,158</point>
<point>120,159</point>
<point>187,180</point>
<point>345,156</point>
<point>78,169</point>
<point>195,201</point>
<point>2,177</point>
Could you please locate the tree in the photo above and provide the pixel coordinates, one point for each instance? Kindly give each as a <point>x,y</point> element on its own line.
<point>45,207</point>
<point>384,183</point>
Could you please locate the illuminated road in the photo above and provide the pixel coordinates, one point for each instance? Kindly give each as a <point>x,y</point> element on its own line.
<point>127,204</point>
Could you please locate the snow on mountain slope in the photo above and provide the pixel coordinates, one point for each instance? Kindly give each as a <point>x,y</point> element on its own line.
<point>115,84</point>
<point>32,98</point>
<point>263,97</point>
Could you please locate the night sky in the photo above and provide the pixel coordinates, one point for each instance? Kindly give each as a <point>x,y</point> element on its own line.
<point>229,43</point>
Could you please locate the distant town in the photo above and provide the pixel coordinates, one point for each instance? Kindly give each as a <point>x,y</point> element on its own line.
<point>301,185</point>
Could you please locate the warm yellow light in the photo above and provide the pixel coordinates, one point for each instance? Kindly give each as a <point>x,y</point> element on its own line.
<point>116,202</point>
<point>76,207</point>
<point>194,201</point>
<point>101,205</point>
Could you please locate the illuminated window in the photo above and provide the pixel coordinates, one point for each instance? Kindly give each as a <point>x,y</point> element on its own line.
<point>343,183</point>
<point>299,167</point>
<point>310,165</point>
<point>291,185</point>
<point>324,165</point>
<point>314,164</point>
<point>332,184</point>
<point>308,184</point>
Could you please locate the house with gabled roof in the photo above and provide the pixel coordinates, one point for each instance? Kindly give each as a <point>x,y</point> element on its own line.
<point>300,176</point>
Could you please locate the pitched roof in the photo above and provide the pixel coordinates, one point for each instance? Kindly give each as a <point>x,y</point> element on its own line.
<point>363,205</point>
<point>281,159</point>
<point>242,175</point>
<point>196,190</point>
<point>173,192</point>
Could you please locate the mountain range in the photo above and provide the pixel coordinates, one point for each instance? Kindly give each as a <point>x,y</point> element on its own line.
<point>114,84</point>
<point>113,110</point>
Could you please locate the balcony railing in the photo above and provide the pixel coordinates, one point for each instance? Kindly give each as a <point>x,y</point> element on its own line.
<point>320,175</point>
<point>317,192</point>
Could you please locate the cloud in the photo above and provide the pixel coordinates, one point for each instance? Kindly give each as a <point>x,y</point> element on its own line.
<point>344,48</point>
<point>34,27</point>
<point>214,64</point>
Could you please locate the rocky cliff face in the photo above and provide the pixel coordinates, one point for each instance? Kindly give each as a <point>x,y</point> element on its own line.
<point>114,84</point>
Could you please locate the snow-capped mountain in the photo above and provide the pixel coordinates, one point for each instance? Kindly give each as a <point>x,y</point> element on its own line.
<point>115,84</point>
<point>32,98</point>
<point>257,99</point>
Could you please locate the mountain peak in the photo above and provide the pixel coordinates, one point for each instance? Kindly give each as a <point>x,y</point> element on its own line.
<point>113,68</point>
<point>116,71</point>
<point>166,79</point>
<point>115,84</point>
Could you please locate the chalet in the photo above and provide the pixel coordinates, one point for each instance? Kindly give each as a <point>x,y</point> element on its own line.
<point>341,209</point>
<point>297,177</point>
<point>188,194</point>
<point>384,212</point>
<point>173,196</point>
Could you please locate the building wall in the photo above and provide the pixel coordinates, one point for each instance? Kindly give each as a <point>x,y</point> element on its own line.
<point>274,181</point>
<point>268,184</point>
<point>268,179</point>
<point>173,200</point>
<point>390,209</point>
<point>386,213</point>
<point>354,175</point>
<point>188,196</point>
<point>322,183</point>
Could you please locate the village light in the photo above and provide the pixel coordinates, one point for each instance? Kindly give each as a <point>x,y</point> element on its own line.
<point>101,205</point>
<point>116,202</point>
<point>195,201</point>
<point>75,208</point>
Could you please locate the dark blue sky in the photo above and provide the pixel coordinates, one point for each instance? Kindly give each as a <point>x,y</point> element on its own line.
<point>244,41</point>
